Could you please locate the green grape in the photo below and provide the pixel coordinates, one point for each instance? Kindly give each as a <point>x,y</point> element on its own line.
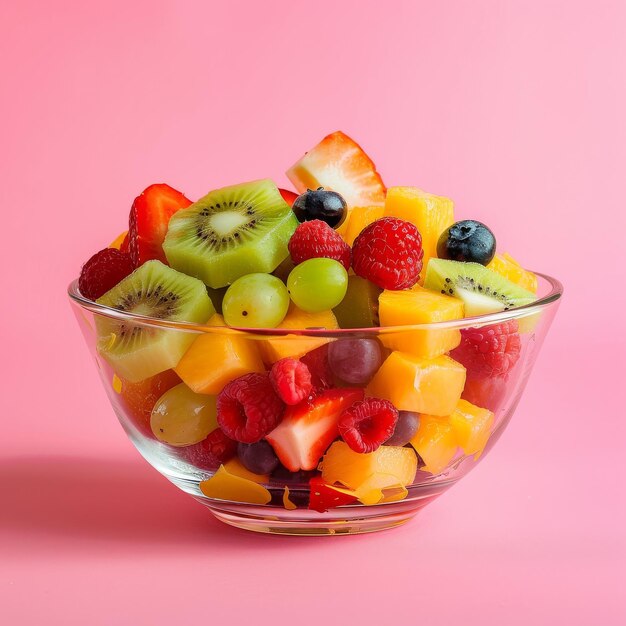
<point>256,301</point>
<point>181,417</point>
<point>317,284</point>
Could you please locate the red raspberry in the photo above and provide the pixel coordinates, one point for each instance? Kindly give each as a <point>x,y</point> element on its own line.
<point>291,380</point>
<point>317,363</point>
<point>389,253</point>
<point>367,424</point>
<point>103,271</point>
<point>210,453</point>
<point>317,239</point>
<point>248,408</point>
<point>490,351</point>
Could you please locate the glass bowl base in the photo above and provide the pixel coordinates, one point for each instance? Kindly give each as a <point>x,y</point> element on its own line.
<point>348,520</point>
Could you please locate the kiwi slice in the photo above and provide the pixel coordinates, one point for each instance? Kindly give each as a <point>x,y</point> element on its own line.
<point>359,308</point>
<point>231,232</point>
<point>136,351</point>
<point>482,290</point>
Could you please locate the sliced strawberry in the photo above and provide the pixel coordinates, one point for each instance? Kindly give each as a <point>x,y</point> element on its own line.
<point>308,428</point>
<point>339,163</point>
<point>288,196</point>
<point>324,497</point>
<point>148,220</point>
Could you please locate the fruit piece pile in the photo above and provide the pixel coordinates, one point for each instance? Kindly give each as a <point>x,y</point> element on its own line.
<point>352,417</point>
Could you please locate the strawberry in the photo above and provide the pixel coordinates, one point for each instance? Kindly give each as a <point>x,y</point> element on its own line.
<point>288,196</point>
<point>308,428</point>
<point>323,497</point>
<point>339,163</point>
<point>148,220</point>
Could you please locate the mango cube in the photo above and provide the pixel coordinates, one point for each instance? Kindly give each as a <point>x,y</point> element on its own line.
<point>215,359</point>
<point>431,214</point>
<point>226,486</point>
<point>435,441</point>
<point>358,219</point>
<point>412,383</point>
<point>505,265</point>
<point>472,427</point>
<point>419,306</point>
<point>293,346</point>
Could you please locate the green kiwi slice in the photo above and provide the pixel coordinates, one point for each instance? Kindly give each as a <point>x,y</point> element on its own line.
<point>482,290</point>
<point>137,351</point>
<point>359,308</point>
<point>231,232</point>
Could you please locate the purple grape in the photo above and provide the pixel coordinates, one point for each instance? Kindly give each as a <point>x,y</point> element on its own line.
<point>406,427</point>
<point>257,457</point>
<point>355,361</point>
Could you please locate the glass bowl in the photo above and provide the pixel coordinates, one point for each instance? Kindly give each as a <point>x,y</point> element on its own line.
<point>445,448</point>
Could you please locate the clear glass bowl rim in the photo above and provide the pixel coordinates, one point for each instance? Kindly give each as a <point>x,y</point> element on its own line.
<point>554,294</point>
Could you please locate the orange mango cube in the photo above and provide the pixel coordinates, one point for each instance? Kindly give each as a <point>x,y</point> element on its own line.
<point>505,265</point>
<point>419,306</point>
<point>472,427</point>
<point>215,359</point>
<point>413,383</point>
<point>226,486</point>
<point>357,220</point>
<point>431,214</point>
<point>391,466</point>
<point>274,349</point>
<point>435,441</point>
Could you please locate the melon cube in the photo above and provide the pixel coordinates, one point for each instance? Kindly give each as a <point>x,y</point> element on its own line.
<point>274,349</point>
<point>413,383</point>
<point>419,306</point>
<point>215,359</point>
<point>472,427</point>
<point>435,441</point>
<point>431,214</point>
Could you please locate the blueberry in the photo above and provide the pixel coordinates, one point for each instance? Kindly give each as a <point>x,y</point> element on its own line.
<point>321,204</point>
<point>469,241</point>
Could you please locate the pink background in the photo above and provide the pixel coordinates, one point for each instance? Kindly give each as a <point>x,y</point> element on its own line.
<point>514,109</point>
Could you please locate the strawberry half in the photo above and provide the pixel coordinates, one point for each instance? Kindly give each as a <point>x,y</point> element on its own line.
<point>148,221</point>
<point>308,428</point>
<point>340,164</point>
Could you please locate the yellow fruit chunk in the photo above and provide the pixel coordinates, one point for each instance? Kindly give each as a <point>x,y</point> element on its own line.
<point>392,465</point>
<point>419,306</point>
<point>435,441</point>
<point>472,427</point>
<point>215,359</point>
<point>117,384</point>
<point>226,486</point>
<point>507,266</point>
<point>357,220</point>
<point>412,383</point>
<point>117,242</point>
<point>431,214</point>
<point>293,346</point>
<point>234,466</point>
<point>287,503</point>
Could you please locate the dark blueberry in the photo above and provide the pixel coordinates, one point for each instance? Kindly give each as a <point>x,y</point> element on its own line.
<point>469,241</point>
<point>406,427</point>
<point>320,204</point>
<point>257,457</point>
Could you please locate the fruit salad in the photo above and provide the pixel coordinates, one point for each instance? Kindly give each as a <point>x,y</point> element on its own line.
<point>231,338</point>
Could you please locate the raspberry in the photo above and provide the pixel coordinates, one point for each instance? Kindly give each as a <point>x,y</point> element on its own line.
<point>490,351</point>
<point>291,380</point>
<point>367,424</point>
<point>317,363</point>
<point>389,253</point>
<point>210,453</point>
<point>317,239</point>
<point>103,271</point>
<point>248,408</point>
